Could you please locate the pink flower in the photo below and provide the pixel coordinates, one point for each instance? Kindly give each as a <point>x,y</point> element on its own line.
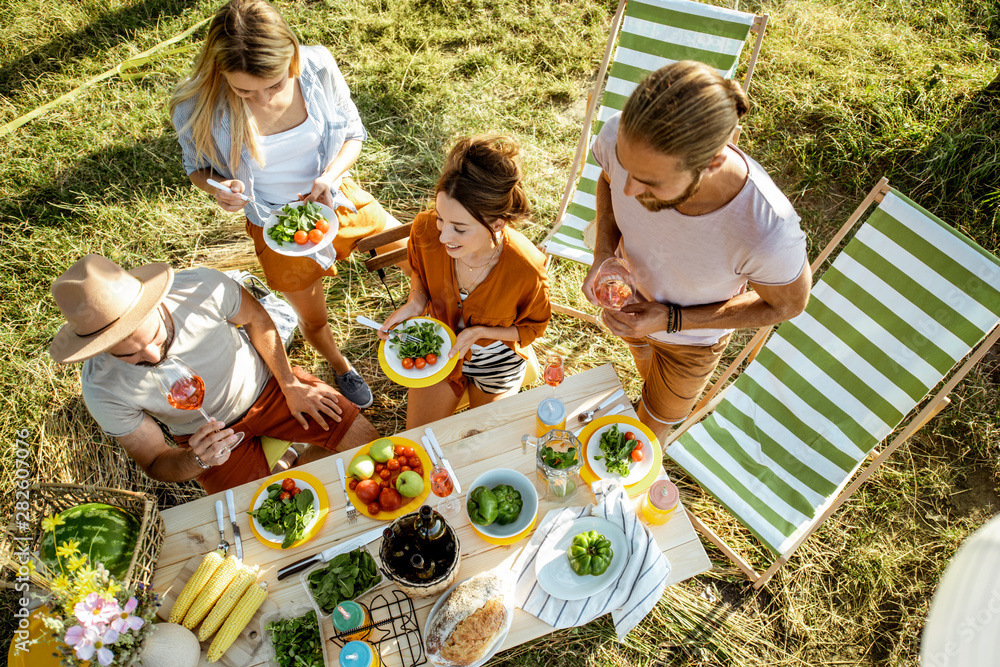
<point>104,655</point>
<point>125,621</point>
<point>95,610</point>
<point>82,638</point>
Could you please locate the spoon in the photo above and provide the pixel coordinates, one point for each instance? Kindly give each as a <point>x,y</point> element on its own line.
<point>223,543</point>
<point>587,416</point>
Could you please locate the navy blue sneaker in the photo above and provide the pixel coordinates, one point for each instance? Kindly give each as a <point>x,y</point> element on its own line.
<point>355,389</point>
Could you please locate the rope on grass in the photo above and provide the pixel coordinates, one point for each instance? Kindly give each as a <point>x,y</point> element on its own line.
<point>127,70</point>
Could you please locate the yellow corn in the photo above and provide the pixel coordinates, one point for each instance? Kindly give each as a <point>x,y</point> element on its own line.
<point>237,620</point>
<point>209,564</point>
<point>212,591</point>
<point>244,579</point>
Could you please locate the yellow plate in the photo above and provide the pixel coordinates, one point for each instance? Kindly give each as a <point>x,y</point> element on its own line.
<point>507,540</point>
<point>414,503</point>
<point>588,474</point>
<point>35,655</point>
<point>394,370</point>
<point>319,497</point>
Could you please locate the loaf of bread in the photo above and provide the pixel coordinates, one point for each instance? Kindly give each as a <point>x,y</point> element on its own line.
<point>473,617</point>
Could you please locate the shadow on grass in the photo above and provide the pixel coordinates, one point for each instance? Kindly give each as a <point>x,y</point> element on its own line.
<point>105,33</point>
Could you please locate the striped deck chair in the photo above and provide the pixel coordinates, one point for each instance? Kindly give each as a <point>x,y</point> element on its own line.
<point>653,33</point>
<point>905,301</point>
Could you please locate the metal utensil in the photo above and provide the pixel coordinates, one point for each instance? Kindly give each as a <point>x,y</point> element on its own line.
<point>587,416</point>
<point>437,449</point>
<point>613,411</point>
<point>352,514</point>
<point>223,544</point>
<point>325,555</point>
<point>368,322</point>
<point>219,186</point>
<point>232,518</point>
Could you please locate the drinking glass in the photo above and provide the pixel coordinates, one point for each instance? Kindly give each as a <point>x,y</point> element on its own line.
<point>558,457</point>
<point>614,285</point>
<point>442,487</point>
<point>554,373</point>
<point>184,389</point>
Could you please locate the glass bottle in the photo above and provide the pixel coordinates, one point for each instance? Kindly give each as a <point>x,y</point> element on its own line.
<point>431,526</point>
<point>423,568</point>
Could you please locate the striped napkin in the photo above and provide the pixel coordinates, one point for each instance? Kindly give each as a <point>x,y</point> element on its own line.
<point>629,599</point>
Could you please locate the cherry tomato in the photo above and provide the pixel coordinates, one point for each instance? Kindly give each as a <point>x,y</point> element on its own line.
<point>296,491</point>
<point>379,467</point>
<point>322,225</point>
<point>353,484</point>
<point>301,237</point>
<point>431,359</point>
<point>419,471</point>
<point>287,484</point>
<point>392,464</point>
<point>407,451</point>
<point>637,453</point>
<point>284,495</point>
<point>404,468</point>
<point>414,462</point>
<point>407,363</point>
<point>315,235</point>
<point>385,474</point>
<point>398,449</point>
<point>385,484</point>
<point>402,460</point>
<point>629,435</point>
<point>419,363</point>
<point>374,508</point>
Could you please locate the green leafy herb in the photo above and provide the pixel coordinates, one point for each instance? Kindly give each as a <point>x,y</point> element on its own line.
<point>427,332</point>
<point>617,451</point>
<point>295,218</point>
<point>558,460</point>
<point>288,517</point>
<point>297,642</point>
<point>345,577</point>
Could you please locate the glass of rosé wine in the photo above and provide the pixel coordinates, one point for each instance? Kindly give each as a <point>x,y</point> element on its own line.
<point>614,285</point>
<point>443,487</point>
<point>554,373</point>
<point>184,389</point>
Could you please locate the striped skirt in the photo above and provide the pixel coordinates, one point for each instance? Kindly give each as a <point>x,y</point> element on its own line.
<point>495,368</point>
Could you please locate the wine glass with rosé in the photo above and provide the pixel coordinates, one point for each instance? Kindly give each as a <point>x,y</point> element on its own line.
<point>443,487</point>
<point>184,389</point>
<point>614,285</point>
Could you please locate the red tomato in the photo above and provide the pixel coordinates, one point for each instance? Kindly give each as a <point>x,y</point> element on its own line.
<point>637,453</point>
<point>407,451</point>
<point>322,225</point>
<point>315,235</point>
<point>404,468</point>
<point>379,467</point>
<point>390,500</point>
<point>419,471</point>
<point>367,490</point>
<point>296,491</point>
<point>284,495</point>
<point>431,358</point>
<point>407,363</point>
<point>392,464</point>
<point>287,484</point>
<point>353,484</point>
<point>419,363</point>
<point>398,449</point>
<point>385,484</point>
<point>385,474</point>
<point>629,435</point>
<point>414,462</point>
<point>301,237</point>
<point>374,508</point>
<point>402,460</point>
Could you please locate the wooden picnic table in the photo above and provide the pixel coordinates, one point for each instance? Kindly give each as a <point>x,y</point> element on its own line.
<point>474,441</point>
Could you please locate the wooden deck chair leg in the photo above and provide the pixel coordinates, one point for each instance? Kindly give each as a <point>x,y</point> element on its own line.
<point>712,537</point>
<point>572,312</point>
<point>758,27</point>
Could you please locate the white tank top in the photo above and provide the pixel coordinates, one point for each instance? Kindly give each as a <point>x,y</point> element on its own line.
<point>291,162</point>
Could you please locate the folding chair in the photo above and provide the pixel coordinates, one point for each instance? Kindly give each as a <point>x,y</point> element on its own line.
<point>653,33</point>
<point>782,447</point>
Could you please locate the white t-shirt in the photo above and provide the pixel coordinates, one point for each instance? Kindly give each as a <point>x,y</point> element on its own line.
<point>691,260</point>
<point>290,169</point>
<point>201,301</point>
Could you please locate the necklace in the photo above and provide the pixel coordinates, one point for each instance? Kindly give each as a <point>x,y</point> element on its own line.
<point>463,292</point>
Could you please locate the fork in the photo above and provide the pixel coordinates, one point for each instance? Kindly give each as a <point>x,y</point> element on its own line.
<point>223,544</point>
<point>352,514</point>
<point>408,338</point>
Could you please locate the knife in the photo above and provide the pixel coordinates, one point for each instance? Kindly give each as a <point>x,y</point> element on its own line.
<point>232,518</point>
<point>323,556</point>
<point>437,449</point>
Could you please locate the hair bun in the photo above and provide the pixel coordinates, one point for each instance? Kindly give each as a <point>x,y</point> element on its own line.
<point>740,98</point>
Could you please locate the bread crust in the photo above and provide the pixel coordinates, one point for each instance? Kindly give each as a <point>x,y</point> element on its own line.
<point>469,621</point>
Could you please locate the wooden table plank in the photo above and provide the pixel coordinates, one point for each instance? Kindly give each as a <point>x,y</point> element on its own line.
<point>474,441</point>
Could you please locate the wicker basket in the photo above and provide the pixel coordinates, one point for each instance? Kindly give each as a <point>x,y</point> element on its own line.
<point>49,499</point>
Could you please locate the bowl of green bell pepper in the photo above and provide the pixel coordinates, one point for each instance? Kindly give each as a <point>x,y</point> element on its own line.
<point>502,506</point>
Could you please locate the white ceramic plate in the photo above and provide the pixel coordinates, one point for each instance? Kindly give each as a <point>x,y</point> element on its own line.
<point>636,470</point>
<point>293,249</point>
<point>493,649</point>
<point>552,568</point>
<point>395,363</point>
<point>262,496</point>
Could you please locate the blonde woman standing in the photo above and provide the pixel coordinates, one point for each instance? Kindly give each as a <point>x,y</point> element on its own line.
<point>274,121</point>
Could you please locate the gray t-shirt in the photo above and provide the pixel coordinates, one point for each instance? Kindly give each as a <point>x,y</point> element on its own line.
<point>201,301</point>
<point>692,260</point>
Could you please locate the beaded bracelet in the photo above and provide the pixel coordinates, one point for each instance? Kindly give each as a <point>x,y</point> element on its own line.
<point>673,318</point>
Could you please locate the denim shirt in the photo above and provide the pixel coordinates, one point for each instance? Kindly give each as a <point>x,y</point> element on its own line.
<point>330,109</point>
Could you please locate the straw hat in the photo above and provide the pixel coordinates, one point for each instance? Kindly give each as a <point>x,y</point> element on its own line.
<point>104,304</point>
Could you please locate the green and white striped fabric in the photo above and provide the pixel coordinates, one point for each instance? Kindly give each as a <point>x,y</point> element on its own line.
<point>654,33</point>
<point>906,299</point>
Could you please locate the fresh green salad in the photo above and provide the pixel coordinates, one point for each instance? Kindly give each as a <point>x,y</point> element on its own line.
<point>345,577</point>
<point>617,451</point>
<point>297,642</point>
<point>295,218</point>
<point>430,340</point>
<point>286,514</point>
<point>558,460</point>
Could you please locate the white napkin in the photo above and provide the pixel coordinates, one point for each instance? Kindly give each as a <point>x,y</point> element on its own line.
<point>629,599</point>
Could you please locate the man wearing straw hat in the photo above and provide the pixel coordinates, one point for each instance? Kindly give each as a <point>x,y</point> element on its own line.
<point>123,324</point>
<point>697,220</point>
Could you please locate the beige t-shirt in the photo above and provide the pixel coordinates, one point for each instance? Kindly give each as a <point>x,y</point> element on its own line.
<point>692,260</point>
<point>201,301</point>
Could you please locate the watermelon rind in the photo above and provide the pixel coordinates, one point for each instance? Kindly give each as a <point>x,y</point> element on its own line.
<point>106,533</point>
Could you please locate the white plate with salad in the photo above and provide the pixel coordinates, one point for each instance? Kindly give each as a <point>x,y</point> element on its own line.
<point>280,228</point>
<point>408,363</point>
<point>609,452</point>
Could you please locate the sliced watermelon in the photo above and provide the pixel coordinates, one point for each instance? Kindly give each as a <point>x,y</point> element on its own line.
<point>106,533</point>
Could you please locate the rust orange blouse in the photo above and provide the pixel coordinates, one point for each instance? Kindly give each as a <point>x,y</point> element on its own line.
<point>514,294</point>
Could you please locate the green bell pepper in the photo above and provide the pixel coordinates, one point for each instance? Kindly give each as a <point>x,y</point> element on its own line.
<point>509,503</point>
<point>590,553</point>
<point>482,506</point>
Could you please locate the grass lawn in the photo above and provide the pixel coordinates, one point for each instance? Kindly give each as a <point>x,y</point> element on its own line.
<point>844,93</point>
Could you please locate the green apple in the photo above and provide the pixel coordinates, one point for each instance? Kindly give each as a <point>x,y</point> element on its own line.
<point>381,450</point>
<point>409,484</point>
<point>362,467</point>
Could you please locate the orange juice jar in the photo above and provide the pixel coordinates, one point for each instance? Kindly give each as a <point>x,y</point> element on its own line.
<point>660,502</point>
<point>551,415</point>
<point>350,615</point>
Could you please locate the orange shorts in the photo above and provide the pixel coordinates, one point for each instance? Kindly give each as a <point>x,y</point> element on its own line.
<point>673,375</point>
<point>293,274</point>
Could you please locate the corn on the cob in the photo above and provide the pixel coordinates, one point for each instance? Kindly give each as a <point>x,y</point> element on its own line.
<point>212,591</point>
<point>238,619</point>
<point>209,564</point>
<point>244,579</point>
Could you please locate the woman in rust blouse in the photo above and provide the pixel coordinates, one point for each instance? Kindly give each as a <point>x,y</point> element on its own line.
<point>474,272</point>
